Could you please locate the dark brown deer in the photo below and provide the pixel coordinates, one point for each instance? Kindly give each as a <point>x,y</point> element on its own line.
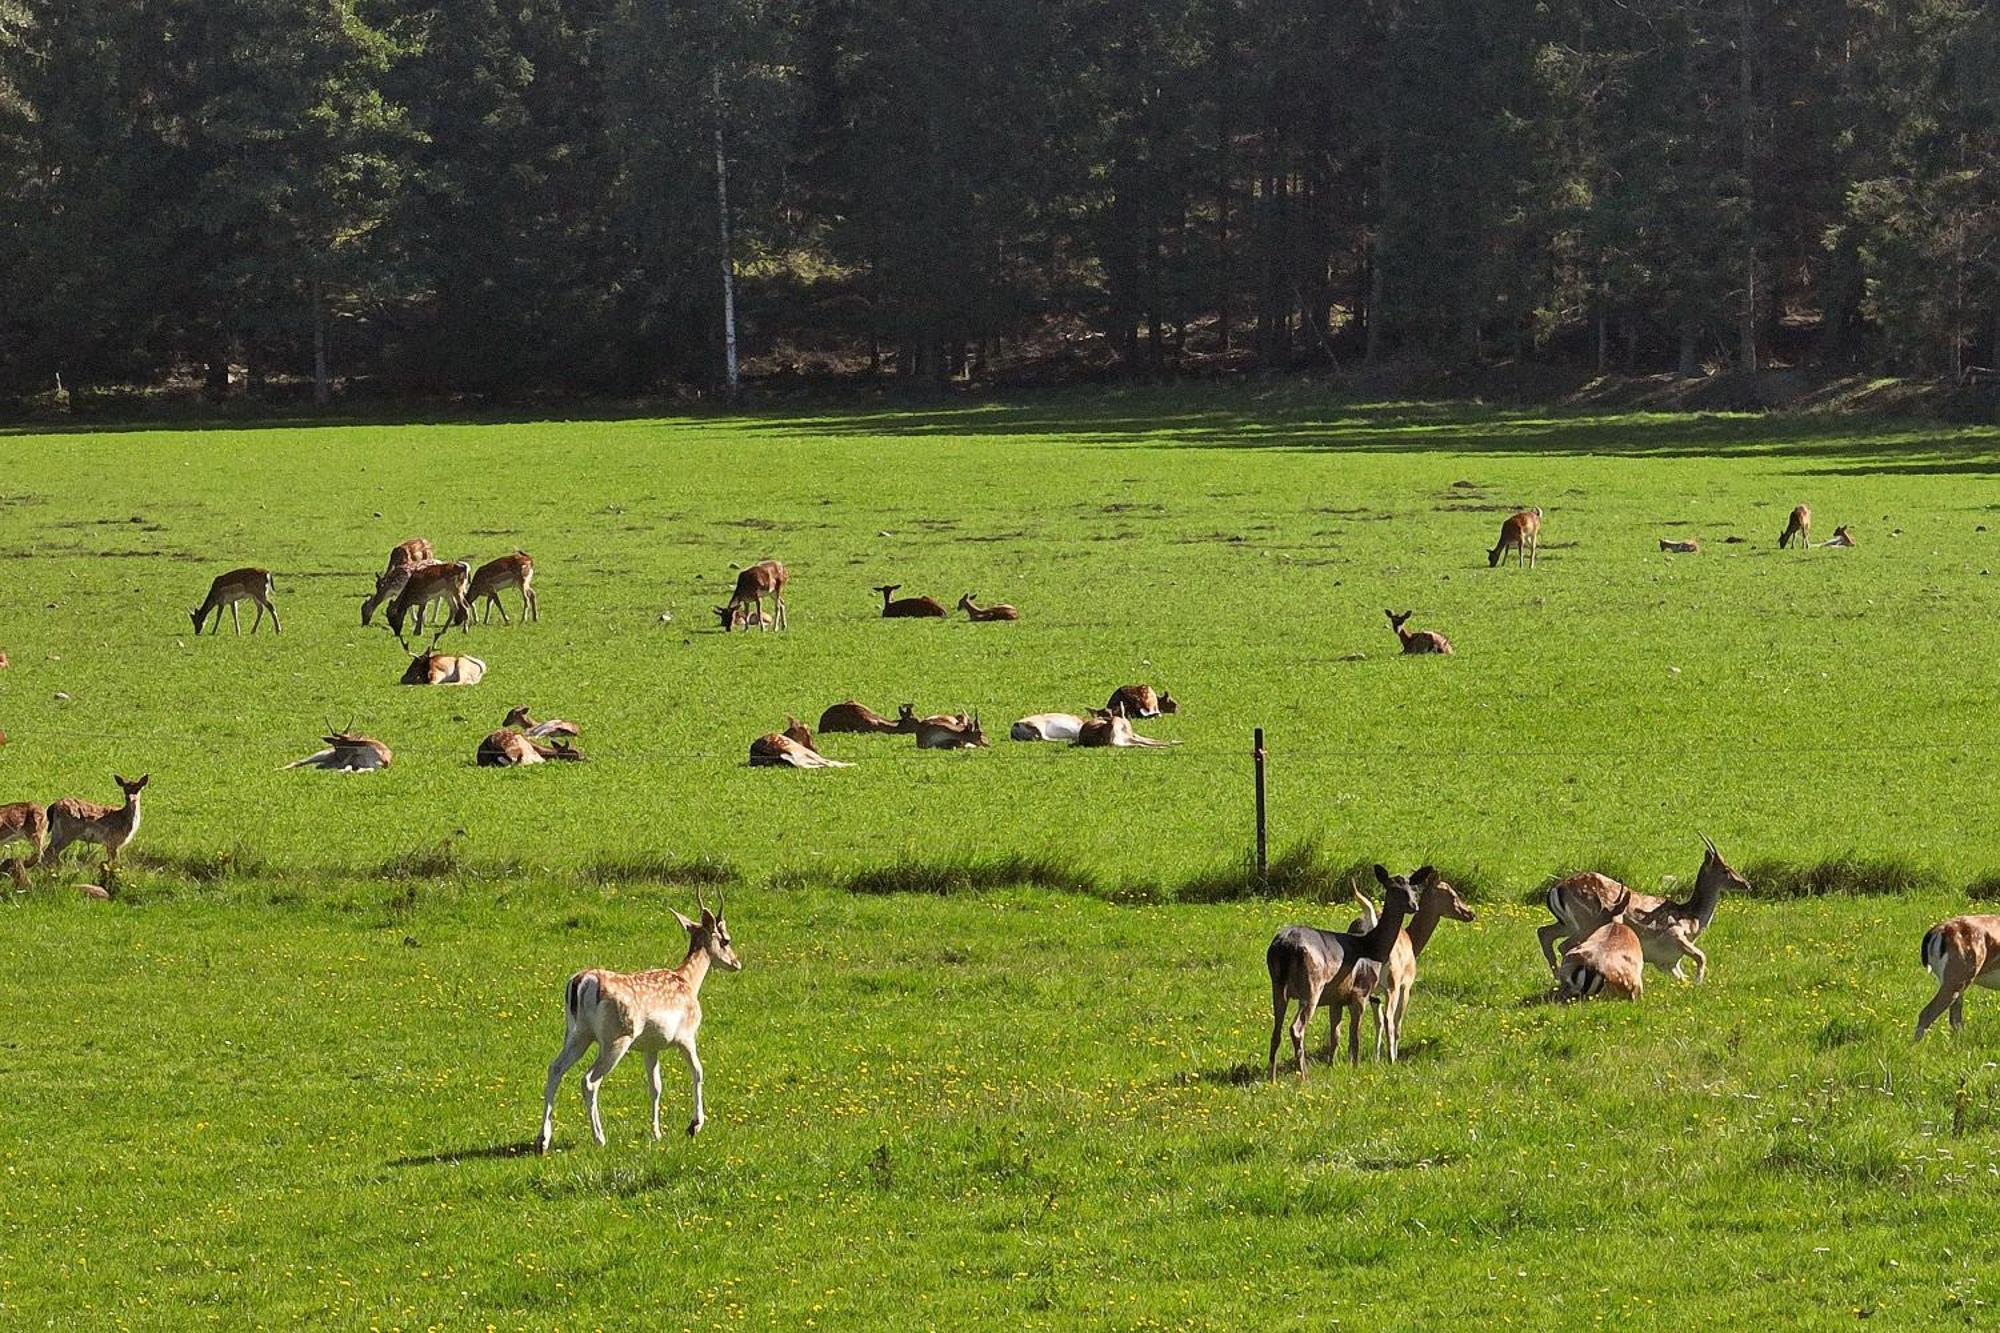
<point>1141,701</point>
<point>754,583</point>
<point>1338,969</point>
<point>850,716</point>
<point>948,732</point>
<point>906,608</point>
<point>1417,640</point>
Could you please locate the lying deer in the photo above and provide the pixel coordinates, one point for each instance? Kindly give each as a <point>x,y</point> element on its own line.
<point>777,750</point>
<point>1001,611</point>
<point>1338,969</point>
<point>1048,727</point>
<point>1141,701</point>
<point>1435,899</point>
<point>24,821</point>
<point>1522,534</point>
<point>1417,640</point>
<point>73,820</point>
<point>742,617</point>
<point>950,733</point>
<point>238,585</point>
<point>516,571</point>
<point>510,749</point>
<point>1110,729</point>
<point>754,583</point>
<point>905,608</point>
<point>1684,546</point>
<point>851,716</point>
<point>1607,961</point>
<point>1799,526</point>
<point>618,1011</point>
<point>347,751</point>
<point>432,667</point>
<point>1961,953</point>
<point>522,721</point>
<point>1582,902</point>
<point>1841,537</point>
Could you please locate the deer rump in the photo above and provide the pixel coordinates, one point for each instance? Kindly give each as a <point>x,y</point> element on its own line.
<point>1047,727</point>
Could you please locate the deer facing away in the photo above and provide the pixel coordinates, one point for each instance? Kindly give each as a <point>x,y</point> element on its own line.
<point>851,716</point>
<point>1607,961</point>
<point>1961,953</point>
<point>24,821</point>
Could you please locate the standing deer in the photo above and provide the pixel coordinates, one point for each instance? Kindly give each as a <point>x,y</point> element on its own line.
<point>1436,899</point>
<point>415,551</point>
<point>515,571</point>
<point>1417,640</point>
<point>1666,929</point>
<point>907,608</point>
<point>1338,969</point>
<point>24,821</point>
<point>347,752</point>
<point>73,820</point>
<point>1000,611</point>
<point>618,1011</point>
<point>444,581</point>
<point>754,583</point>
<point>238,585</point>
<point>1961,953</point>
<point>1799,526</point>
<point>1111,729</point>
<point>1608,961</point>
<point>850,716</point>
<point>1520,533</point>
<point>950,733</point>
<point>510,749</point>
<point>1141,701</point>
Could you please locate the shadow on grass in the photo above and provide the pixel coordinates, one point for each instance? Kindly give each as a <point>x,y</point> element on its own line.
<point>453,1156</point>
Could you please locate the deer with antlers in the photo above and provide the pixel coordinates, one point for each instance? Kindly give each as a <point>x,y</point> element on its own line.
<point>1335,969</point>
<point>1417,640</point>
<point>72,820</point>
<point>754,583</point>
<point>1436,900</point>
<point>647,1011</point>
<point>1667,930</point>
<point>24,821</point>
<point>1797,528</point>
<point>347,751</point>
<point>982,614</point>
<point>960,732</point>
<point>1520,533</point>
<point>516,571</point>
<point>431,667</point>
<point>238,585</point>
<point>909,608</point>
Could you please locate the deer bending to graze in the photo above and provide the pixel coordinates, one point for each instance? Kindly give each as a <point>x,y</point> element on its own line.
<point>1048,727</point>
<point>851,716</point>
<point>424,584</point>
<point>1000,611</point>
<point>510,749</point>
<point>1110,729</point>
<point>1682,546</point>
<point>521,721</point>
<point>1667,930</point>
<point>73,820</point>
<point>1141,701</point>
<point>777,750</point>
<point>1338,969</point>
<point>1522,534</point>
<point>1417,640</point>
<point>1961,953</point>
<point>347,751</point>
<point>391,582</point>
<point>754,583</point>
<point>1608,961</point>
<point>1435,900</point>
<point>646,1011</point>
<point>1841,537</point>
<point>415,551</point>
<point>1799,526</point>
<point>24,821</point>
<point>906,608</point>
<point>947,732</point>
<point>516,571</point>
<point>238,585</point>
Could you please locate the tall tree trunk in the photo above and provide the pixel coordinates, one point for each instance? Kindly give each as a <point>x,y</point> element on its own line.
<point>1690,364</point>
<point>722,222</point>
<point>1224,95</point>
<point>1745,51</point>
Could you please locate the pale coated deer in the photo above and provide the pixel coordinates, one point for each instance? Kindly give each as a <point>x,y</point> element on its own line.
<point>516,571</point>
<point>777,750</point>
<point>850,716</point>
<point>1141,701</point>
<point>415,551</point>
<point>754,583</point>
<point>238,585</point>
<point>646,1011</point>
<point>521,720</point>
<point>1681,546</point>
<point>999,611</point>
<point>1799,526</point>
<point>951,733</point>
<point>432,667</point>
<point>1417,640</point>
<point>24,821</point>
<point>1338,969</point>
<point>1608,961</point>
<point>742,617</point>
<point>1667,930</point>
<point>1110,729</point>
<point>73,820</point>
<point>1048,727</point>
<point>1961,953</point>
<point>1436,899</point>
<point>510,749</point>
<point>1521,533</point>
<point>347,751</point>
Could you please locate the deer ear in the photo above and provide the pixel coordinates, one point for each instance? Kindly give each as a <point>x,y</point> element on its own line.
<point>1424,875</point>
<point>1382,876</point>
<point>686,924</point>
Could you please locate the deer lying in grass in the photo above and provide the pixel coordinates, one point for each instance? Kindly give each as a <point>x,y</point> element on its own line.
<point>754,583</point>
<point>1109,729</point>
<point>778,750</point>
<point>1141,701</point>
<point>1417,640</point>
<point>24,821</point>
<point>510,749</point>
<point>1435,900</point>
<point>72,820</point>
<point>1522,534</point>
<point>1001,611</point>
<point>1667,930</point>
<point>646,1011</point>
<point>432,667</point>
<point>850,716</point>
<point>516,571</point>
<point>950,733</point>
<point>1607,961</point>
<point>1799,526</point>
<point>906,608</point>
<point>1681,546</point>
<point>238,585</point>
<point>346,751</point>
<point>522,721</point>
<point>733,618</point>
<point>1961,953</point>
<point>1841,537</point>
<point>1338,969</point>
<point>1047,727</point>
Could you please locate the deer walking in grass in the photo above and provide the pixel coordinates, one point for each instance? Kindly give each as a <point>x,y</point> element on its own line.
<point>645,1011</point>
<point>1607,961</point>
<point>754,583</point>
<point>24,821</point>
<point>1961,953</point>
<point>1667,930</point>
<point>1417,640</point>
<point>238,585</point>
<point>1048,727</point>
<point>1436,900</point>
<point>1522,534</point>
<point>947,732</point>
<point>72,820</point>
<point>347,751</point>
<point>507,748</point>
<point>909,608</point>
<point>1337,969</point>
<point>999,611</point>
<point>1798,527</point>
<point>516,571</point>
<point>1112,730</point>
<point>850,716</point>
<point>1141,701</point>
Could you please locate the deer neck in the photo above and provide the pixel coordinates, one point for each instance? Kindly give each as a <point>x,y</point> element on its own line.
<point>694,967</point>
<point>1423,924</point>
<point>1701,903</point>
<point>1378,943</point>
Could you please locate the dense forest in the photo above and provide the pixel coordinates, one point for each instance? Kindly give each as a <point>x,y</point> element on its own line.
<point>496,195</point>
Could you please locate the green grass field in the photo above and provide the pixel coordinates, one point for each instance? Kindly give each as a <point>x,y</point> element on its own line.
<point>286,1076</point>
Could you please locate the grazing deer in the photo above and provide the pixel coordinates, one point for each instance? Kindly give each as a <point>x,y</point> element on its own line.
<point>1141,701</point>
<point>515,571</point>
<point>1520,533</point>
<point>1002,611</point>
<point>851,716</point>
<point>510,749</point>
<point>432,667</point>
<point>649,1011</point>
<point>1582,902</point>
<point>754,583</point>
<point>73,820</point>
<point>1841,537</point>
<point>1048,727</point>
<point>1608,961</point>
<point>1961,952</point>
<point>946,732</point>
<point>1338,969</point>
<point>905,608</point>
<point>777,750</point>
<point>1435,900</point>
<point>24,821</point>
<point>520,719</point>
<point>1682,546</point>
<point>1800,526</point>
<point>415,551</point>
<point>1109,729</point>
<point>1417,640</point>
<point>238,585</point>
<point>423,584</point>
<point>739,617</point>
<point>346,752</point>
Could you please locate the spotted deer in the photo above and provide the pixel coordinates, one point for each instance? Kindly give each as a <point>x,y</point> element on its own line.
<point>1337,969</point>
<point>1667,930</point>
<point>415,551</point>
<point>1607,961</point>
<point>347,751</point>
<point>72,820</point>
<point>24,821</point>
<point>754,583</point>
<point>1115,731</point>
<point>423,584</point>
<point>516,571</point>
<point>1961,953</point>
<point>1799,526</point>
<point>1417,640</point>
<point>958,732</point>
<point>238,585</point>
<point>1520,533</point>
<point>507,748</point>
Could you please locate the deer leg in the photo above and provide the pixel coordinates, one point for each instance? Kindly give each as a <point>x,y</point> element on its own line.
<point>1354,1008</point>
<point>760,612</point>
<point>1301,1024</point>
<point>1381,1016</point>
<point>784,621</point>
<point>258,623</point>
<point>1549,935</point>
<point>530,609</point>
<point>1278,1006</point>
<point>235,618</point>
<point>272,607</point>
<point>608,1056</point>
<point>1958,1012</point>
<point>694,1068</point>
<point>575,1043</point>
<point>19,871</point>
<point>501,607</point>
<point>1700,961</point>
<point>653,1086</point>
<point>1951,993</point>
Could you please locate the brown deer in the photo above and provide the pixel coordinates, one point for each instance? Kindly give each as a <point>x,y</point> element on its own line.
<point>415,551</point>
<point>754,583</point>
<point>515,571</point>
<point>1608,961</point>
<point>1841,537</point>
<point>1338,969</point>
<point>1667,930</point>
<point>24,821</point>
<point>1110,729</point>
<point>510,749</point>
<point>650,1011</point>
<point>1141,701</point>
<point>347,751</point>
<point>522,721</point>
<point>423,584</point>
<point>431,667</point>
<point>777,750</point>
<point>951,733</point>
<point>1961,953</point>
<point>905,608</point>
<point>1000,611</point>
<point>740,617</point>
<point>1417,640</point>
<point>238,585</point>
<point>73,820</point>
<point>1685,546</point>
<point>1521,533</point>
<point>850,716</point>
<point>1799,526</point>
<point>1435,900</point>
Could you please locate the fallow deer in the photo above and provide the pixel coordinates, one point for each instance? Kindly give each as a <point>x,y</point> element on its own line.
<point>1000,611</point>
<point>1607,961</point>
<point>1681,546</point>
<point>415,551</point>
<point>1436,899</point>
<point>1841,537</point>
<point>1582,902</point>
<point>951,733</point>
<point>646,1011</point>
<point>906,608</point>
<point>1799,526</point>
<point>777,750</point>
<point>741,617</point>
<point>800,732</point>
<point>444,581</point>
<point>522,721</point>
<point>1961,953</point>
<point>73,820</point>
<point>24,821</point>
<point>3,660</point>
<point>514,571</point>
<point>754,583</point>
<point>432,667</point>
<point>850,716</point>
<point>1417,640</point>
<point>1338,969</point>
<point>1521,533</point>
<point>347,751</point>
<point>1141,701</point>
<point>510,749</point>
<point>1048,727</point>
<point>238,585</point>
<point>1110,729</point>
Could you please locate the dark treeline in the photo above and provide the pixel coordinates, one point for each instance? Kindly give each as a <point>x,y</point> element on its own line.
<point>493,195</point>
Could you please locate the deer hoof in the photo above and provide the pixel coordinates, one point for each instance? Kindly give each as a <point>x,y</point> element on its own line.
<point>694,1128</point>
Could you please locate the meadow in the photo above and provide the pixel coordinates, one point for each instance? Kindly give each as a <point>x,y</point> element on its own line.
<point>996,1053</point>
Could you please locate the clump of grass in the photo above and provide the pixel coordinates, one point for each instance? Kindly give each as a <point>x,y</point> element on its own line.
<point>1985,889</point>
<point>659,870</point>
<point>971,875</point>
<point>1304,871</point>
<point>208,867</point>
<point>1848,875</point>
<point>431,861</point>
